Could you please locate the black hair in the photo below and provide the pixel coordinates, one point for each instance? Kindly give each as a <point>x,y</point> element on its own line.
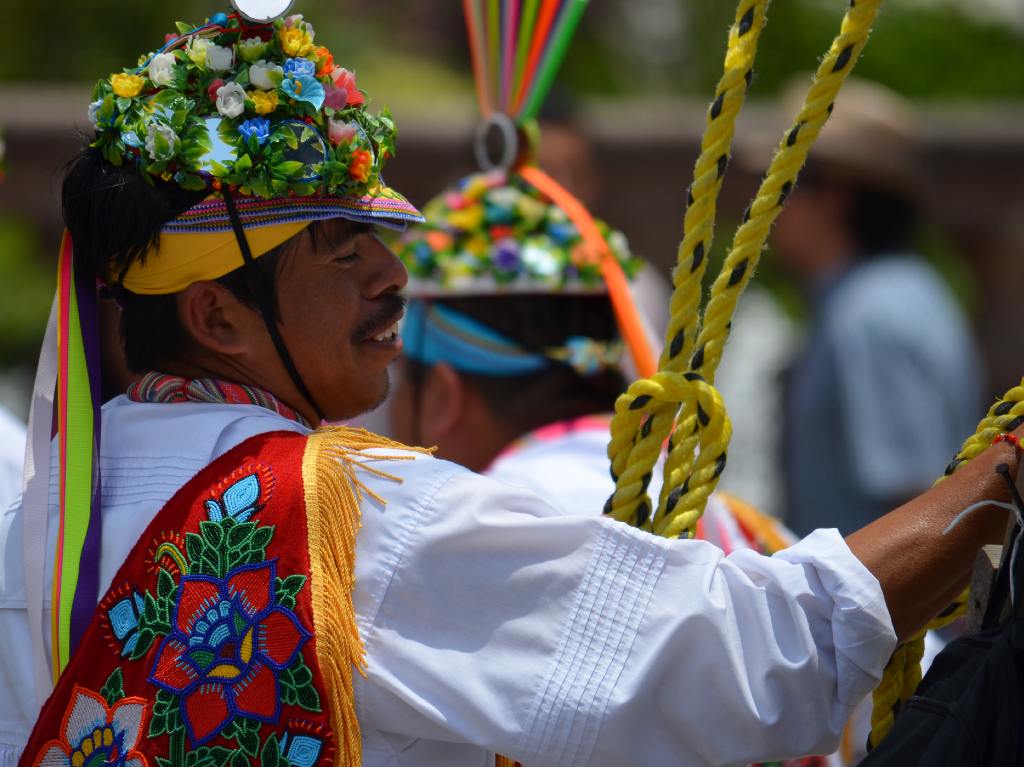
<point>114,216</point>
<point>538,322</point>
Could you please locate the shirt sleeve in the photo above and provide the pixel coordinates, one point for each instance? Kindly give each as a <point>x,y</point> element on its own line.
<point>560,640</point>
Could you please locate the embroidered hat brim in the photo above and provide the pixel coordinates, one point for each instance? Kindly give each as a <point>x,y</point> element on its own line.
<point>382,206</point>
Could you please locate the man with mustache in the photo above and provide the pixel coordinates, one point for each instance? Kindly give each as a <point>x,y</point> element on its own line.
<point>261,586</point>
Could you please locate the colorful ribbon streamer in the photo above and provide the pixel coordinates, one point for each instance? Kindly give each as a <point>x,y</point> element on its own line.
<point>76,562</point>
<point>517,48</point>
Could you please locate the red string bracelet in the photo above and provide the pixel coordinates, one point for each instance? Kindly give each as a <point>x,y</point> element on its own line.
<point>1013,439</point>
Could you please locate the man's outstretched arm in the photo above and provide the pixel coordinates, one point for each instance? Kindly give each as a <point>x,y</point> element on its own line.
<point>920,568</point>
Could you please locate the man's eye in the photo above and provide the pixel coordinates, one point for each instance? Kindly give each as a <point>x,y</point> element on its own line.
<point>347,257</point>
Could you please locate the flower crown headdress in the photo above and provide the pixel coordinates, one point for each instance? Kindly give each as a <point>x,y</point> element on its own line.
<point>494,232</point>
<point>257,107</point>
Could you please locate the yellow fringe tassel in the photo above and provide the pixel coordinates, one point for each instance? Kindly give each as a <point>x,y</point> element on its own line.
<point>333,493</point>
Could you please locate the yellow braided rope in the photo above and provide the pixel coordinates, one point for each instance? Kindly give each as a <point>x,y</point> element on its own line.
<point>903,672</point>
<point>633,459</point>
<point>645,414</point>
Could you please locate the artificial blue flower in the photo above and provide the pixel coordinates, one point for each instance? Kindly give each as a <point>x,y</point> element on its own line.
<point>299,68</point>
<point>506,255</point>
<point>562,232</point>
<point>424,253</point>
<point>131,138</point>
<point>258,127</point>
<point>304,88</point>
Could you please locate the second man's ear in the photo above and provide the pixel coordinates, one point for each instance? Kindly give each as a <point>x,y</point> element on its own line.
<point>442,403</point>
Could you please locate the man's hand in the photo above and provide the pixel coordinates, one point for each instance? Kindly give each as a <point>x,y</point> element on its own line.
<point>920,568</point>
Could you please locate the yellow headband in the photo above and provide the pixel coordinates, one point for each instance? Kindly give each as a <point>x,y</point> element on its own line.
<point>184,258</point>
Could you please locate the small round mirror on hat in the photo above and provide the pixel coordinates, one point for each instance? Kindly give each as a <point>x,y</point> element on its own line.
<point>262,11</point>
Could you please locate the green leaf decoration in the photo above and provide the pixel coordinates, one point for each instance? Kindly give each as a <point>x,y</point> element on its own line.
<point>291,585</point>
<point>165,585</point>
<point>113,689</point>
<point>209,756</point>
<point>166,714</point>
<point>157,725</point>
<point>194,547</point>
<point>146,637</point>
<point>189,181</point>
<point>261,538</point>
<point>239,536</point>
<point>150,608</point>
<point>302,676</point>
<point>270,756</point>
<point>249,741</point>
<point>290,168</point>
<point>309,699</point>
<point>212,533</point>
<point>183,28</point>
<point>297,686</point>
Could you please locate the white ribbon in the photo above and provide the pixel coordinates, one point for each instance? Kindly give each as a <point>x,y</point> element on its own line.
<point>36,501</point>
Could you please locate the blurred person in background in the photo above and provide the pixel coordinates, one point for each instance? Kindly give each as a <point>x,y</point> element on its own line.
<point>512,356</point>
<point>887,385</point>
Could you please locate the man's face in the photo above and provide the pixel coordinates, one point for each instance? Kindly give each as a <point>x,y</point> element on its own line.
<point>339,295</point>
<point>810,234</point>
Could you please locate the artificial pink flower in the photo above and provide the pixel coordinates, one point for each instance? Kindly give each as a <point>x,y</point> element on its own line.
<point>335,98</point>
<point>346,80</point>
<point>340,132</point>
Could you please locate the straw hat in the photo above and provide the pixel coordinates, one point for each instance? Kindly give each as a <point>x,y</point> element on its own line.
<point>869,139</point>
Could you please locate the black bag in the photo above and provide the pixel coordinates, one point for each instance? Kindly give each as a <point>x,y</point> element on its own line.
<point>969,709</point>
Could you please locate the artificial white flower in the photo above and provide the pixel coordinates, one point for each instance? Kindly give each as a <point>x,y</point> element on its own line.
<point>219,58</point>
<point>231,100</point>
<point>161,69</point>
<point>161,141</point>
<point>618,243</point>
<point>258,75</point>
<point>541,263</point>
<point>505,197</point>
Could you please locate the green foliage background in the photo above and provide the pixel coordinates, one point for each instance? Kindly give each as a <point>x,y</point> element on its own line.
<point>925,49</point>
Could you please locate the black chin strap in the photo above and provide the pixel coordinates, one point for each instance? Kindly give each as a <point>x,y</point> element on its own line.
<point>265,300</point>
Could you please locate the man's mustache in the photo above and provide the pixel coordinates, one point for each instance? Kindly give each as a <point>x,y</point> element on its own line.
<point>389,309</point>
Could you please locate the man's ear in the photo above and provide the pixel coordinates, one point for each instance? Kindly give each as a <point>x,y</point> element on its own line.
<point>442,403</point>
<point>214,319</point>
